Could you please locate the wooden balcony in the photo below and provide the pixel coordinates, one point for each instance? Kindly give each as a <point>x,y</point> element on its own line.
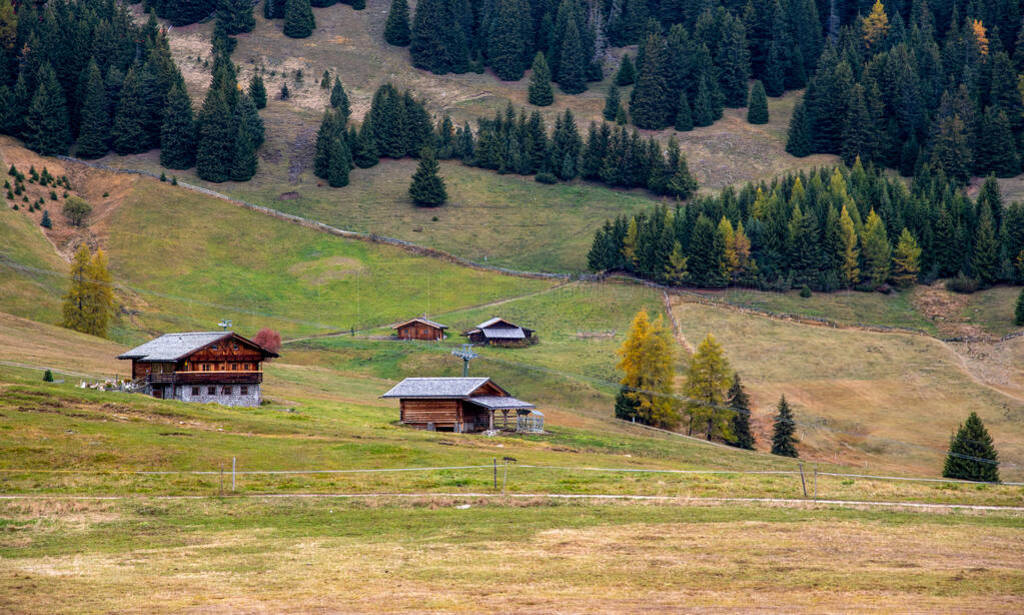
<point>211,377</point>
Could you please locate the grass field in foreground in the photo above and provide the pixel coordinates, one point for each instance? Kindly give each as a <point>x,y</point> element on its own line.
<point>452,555</point>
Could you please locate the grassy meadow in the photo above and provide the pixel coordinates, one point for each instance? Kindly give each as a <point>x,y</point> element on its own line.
<point>289,556</point>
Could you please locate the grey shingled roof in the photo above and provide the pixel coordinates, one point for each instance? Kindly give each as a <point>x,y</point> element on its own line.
<point>174,346</point>
<point>436,387</point>
<point>492,322</point>
<point>504,334</point>
<point>501,403</point>
<point>425,321</point>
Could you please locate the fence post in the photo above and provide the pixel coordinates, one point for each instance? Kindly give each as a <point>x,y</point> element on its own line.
<point>222,479</point>
<point>495,460</point>
<point>815,480</point>
<point>233,474</point>
<point>803,483</point>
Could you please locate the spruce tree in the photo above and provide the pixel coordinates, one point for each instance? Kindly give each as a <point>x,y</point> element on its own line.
<point>858,139</point>
<point>985,259</point>
<point>215,138</point>
<point>46,222</point>
<point>274,9</point>
<point>330,126</point>
<point>684,116</point>
<point>703,104</point>
<point>972,455</point>
<point>340,161</point>
<point>739,401</point>
<point>47,129</point>
<point>997,150</point>
<point>506,44</point>
<point>339,99</point>
<point>244,162</point>
<point>799,141</point>
<point>540,93</point>
<point>651,104</point>
<point>365,153</point>
<point>611,103</point>
<point>298,19</point>
<point>784,430</point>
<point>396,27</point>
<point>757,107</point>
<point>1018,314</point>
<point>626,74</point>
<point>235,16</point>
<point>733,63</point>
<point>427,188</point>
<point>128,132</point>
<point>94,124</point>
<point>572,66</point>
<point>257,91</point>
<point>178,133</point>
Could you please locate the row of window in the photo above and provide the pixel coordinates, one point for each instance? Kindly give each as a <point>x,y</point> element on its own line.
<point>209,367</point>
<point>242,390</point>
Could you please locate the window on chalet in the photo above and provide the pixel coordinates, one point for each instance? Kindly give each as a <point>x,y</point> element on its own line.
<point>243,390</point>
<point>211,390</point>
<point>195,391</point>
<point>206,367</point>
<point>226,391</point>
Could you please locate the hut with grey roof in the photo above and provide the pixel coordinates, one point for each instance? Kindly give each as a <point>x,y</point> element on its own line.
<point>500,332</point>
<point>200,366</point>
<point>460,405</point>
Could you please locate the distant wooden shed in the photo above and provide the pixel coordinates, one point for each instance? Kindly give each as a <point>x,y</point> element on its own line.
<point>500,332</point>
<point>455,404</point>
<point>420,329</point>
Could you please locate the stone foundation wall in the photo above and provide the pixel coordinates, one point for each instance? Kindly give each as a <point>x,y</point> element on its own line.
<point>251,399</point>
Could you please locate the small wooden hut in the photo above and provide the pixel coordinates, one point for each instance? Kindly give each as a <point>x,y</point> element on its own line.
<point>420,329</point>
<point>500,332</point>
<point>456,404</point>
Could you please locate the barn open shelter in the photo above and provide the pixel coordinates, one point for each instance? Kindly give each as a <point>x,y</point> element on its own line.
<point>460,405</point>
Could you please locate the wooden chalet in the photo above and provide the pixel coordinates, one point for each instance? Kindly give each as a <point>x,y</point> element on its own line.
<point>420,329</point>
<point>214,366</point>
<point>500,332</point>
<point>460,405</point>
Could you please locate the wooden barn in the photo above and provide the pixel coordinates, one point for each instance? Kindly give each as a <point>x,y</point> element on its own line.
<point>500,332</point>
<point>458,404</point>
<point>200,366</point>
<point>420,329</point>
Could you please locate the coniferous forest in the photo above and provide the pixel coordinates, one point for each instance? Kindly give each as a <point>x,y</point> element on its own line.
<point>829,229</point>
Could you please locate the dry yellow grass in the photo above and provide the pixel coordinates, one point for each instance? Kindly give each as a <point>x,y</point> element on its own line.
<point>885,401</point>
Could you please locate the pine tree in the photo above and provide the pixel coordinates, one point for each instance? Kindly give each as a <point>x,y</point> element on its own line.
<point>178,134</point>
<point>626,74</point>
<point>365,154</point>
<point>682,185</point>
<point>427,188</point>
<point>703,104</point>
<point>739,402</point>
<point>611,103</point>
<point>94,124</point>
<point>876,249</point>
<point>339,99</point>
<point>506,44</point>
<point>540,93</point>
<point>646,362</point>
<point>396,27</point>
<point>985,259</point>
<point>707,383</point>
<point>274,9</point>
<point>257,92</point>
<point>997,150</point>
<point>757,107</point>
<point>215,138</point>
<point>340,161</point>
<point>784,430</point>
<point>684,117</point>
<point>733,63</point>
<point>858,138</point>
<point>651,103</point>
<point>48,376</point>
<point>46,222</point>
<point>298,19</point>
<point>128,131</point>
<point>235,16</point>
<point>572,66</point>
<point>906,260</point>
<point>972,455</point>
<point>244,162</point>
<point>799,141</point>
<point>47,130</point>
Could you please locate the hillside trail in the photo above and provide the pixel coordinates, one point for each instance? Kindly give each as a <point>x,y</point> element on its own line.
<point>477,306</point>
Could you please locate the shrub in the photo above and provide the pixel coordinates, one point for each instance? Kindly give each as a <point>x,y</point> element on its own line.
<point>269,339</point>
<point>76,210</point>
<point>46,222</point>
<point>48,376</point>
<point>546,178</point>
<point>962,284</point>
<point>805,292</point>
